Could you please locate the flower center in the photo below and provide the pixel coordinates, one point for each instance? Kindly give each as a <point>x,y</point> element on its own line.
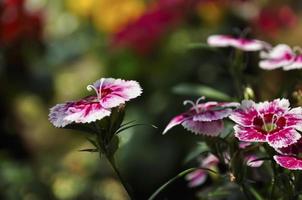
<point>269,127</point>
<point>269,123</point>
<point>98,93</point>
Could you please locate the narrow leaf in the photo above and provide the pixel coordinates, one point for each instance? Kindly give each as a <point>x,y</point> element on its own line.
<point>89,150</point>
<point>200,90</point>
<point>130,126</point>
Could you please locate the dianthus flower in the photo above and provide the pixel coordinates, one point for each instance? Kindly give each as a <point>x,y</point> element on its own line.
<point>272,122</point>
<point>281,56</point>
<point>203,118</point>
<point>243,44</point>
<point>290,157</point>
<point>198,176</point>
<point>110,93</point>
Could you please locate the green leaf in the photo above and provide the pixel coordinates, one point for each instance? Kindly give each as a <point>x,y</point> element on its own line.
<point>200,90</point>
<point>93,142</point>
<point>89,150</point>
<point>130,126</point>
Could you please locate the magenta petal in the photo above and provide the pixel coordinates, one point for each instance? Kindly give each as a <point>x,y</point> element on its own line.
<point>289,162</point>
<point>283,138</point>
<point>212,115</point>
<point>114,92</point>
<point>83,111</point>
<point>279,56</point>
<point>175,121</point>
<point>248,134</point>
<point>212,128</point>
<point>245,114</point>
<point>248,44</point>
<point>296,64</point>
<point>220,40</point>
<point>251,161</point>
<point>277,106</point>
<point>196,177</point>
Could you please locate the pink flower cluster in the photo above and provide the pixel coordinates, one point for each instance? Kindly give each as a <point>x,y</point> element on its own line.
<point>280,56</point>
<point>274,123</point>
<point>110,93</point>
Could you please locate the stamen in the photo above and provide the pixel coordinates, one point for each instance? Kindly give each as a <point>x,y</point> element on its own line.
<point>91,87</point>
<point>192,103</point>
<point>188,102</point>
<point>200,99</point>
<point>274,116</point>
<point>262,118</point>
<point>197,103</point>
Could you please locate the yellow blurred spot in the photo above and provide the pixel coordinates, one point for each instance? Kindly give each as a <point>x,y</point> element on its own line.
<point>210,12</point>
<point>67,186</point>
<point>111,15</point>
<point>82,8</point>
<point>110,189</point>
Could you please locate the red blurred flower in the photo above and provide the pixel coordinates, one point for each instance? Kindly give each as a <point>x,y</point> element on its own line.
<point>273,19</point>
<point>18,24</point>
<point>145,32</point>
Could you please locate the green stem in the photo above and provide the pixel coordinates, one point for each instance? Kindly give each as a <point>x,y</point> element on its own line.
<point>273,181</point>
<point>123,181</point>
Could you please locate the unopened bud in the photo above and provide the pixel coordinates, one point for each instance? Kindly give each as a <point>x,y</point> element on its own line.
<point>248,93</point>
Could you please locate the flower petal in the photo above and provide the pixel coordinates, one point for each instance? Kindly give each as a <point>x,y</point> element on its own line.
<point>289,162</point>
<point>279,56</point>
<point>57,115</point>
<point>196,177</point>
<point>248,44</point>
<point>245,114</point>
<point>251,161</point>
<point>294,118</point>
<point>296,64</point>
<point>283,138</point>
<point>84,111</point>
<point>212,128</point>
<point>209,161</point>
<point>212,115</point>
<point>220,40</point>
<point>248,134</point>
<point>116,91</point>
<point>277,106</point>
<point>176,121</point>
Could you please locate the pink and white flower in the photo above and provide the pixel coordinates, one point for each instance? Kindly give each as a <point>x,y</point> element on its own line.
<point>237,42</point>
<point>203,118</point>
<point>199,176</point>
<point>289,156</point>
<point>110,93</point>
<point>281,56</point>
<point>251,159</point>
<point>272,122</point>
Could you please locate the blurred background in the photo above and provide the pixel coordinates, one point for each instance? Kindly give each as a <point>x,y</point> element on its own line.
<point>50,50</point>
